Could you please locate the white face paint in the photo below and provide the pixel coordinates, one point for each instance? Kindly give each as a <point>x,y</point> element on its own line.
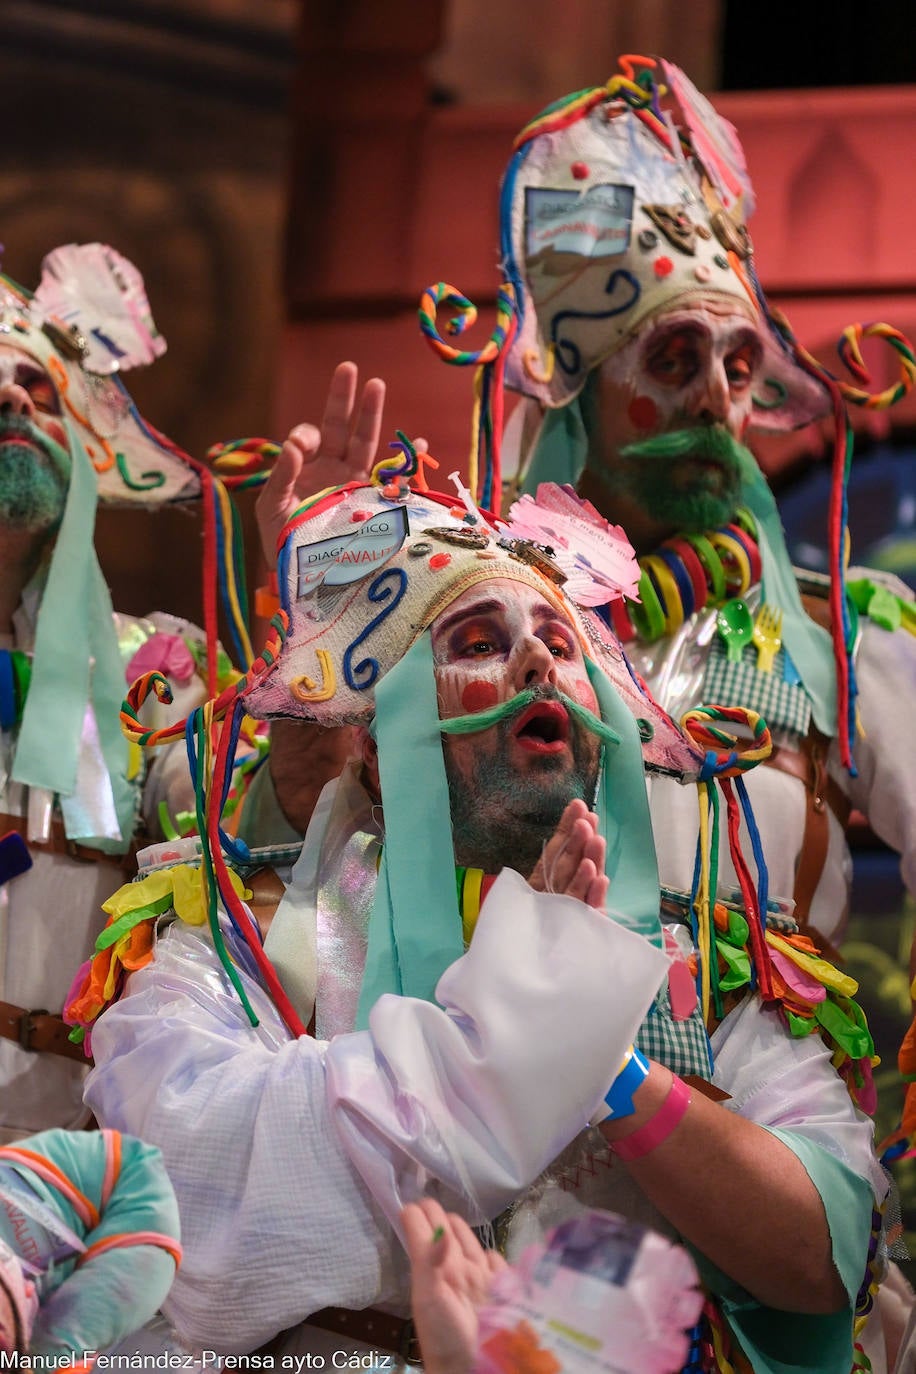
<point>687,367</point>
<point>498,638</point>
<point>33,472</point>
<point>510,783</point>
<point>691,372</point>
<point>26,389</point>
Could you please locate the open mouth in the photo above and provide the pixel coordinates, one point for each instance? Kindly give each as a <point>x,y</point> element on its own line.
<point>543,728</point>
<point>18,439</point>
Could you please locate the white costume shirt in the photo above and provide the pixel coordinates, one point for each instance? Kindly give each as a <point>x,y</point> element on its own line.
<point>291,1158</point>
<point>885,756</point>
<point>49,919</point>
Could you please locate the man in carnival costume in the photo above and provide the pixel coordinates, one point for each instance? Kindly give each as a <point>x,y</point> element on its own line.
<point>71,790</point>
<point>461,1057</point>
<point>645,350</point>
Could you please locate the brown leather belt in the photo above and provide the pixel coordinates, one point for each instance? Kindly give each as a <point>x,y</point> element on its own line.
<point>809,765</point>
<point>373,1328</point>
<point>805,765</point>
<point>39,1031</point>
<point>57,843</point>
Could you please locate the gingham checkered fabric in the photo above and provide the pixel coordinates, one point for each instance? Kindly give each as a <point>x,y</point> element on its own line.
<point>682,1046</point>
<point>783,705</point>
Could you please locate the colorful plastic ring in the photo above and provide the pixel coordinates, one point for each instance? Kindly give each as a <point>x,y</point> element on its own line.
<point>8,713</point>
<point>22,672</point>
<point>668,592</point>
<point>647,614</point>
<point>685,583</point>
<point>620,621</point>
<point>687,554</point>
<point>735,563</point>
<point>750,548</point>
<point>711,561</point>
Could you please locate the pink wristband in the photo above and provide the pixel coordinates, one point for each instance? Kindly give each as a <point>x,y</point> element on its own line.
<point>658,1128</point>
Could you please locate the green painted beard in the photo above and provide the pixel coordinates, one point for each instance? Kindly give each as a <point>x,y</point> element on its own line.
<point>689,479</point>
<point>32,493</point>
<point>499,816</point>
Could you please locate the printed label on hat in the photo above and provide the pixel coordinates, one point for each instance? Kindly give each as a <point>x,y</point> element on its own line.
<point>593,224</point>
<point>350,557</point>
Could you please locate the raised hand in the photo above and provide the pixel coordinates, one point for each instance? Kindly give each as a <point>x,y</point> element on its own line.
<point>573,859</point>
<point>312,458</point>
<point>450,1277</point>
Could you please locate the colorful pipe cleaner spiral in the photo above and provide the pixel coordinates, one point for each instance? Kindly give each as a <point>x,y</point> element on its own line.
<point>849,350</point>
<point>487,416</point>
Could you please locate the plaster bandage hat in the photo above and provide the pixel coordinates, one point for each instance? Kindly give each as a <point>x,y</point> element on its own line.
<point>361,577</point>
<point>621,207</point>
<point>88,321</point>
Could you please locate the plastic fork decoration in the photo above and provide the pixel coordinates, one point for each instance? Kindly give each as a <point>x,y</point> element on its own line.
<point>767,636</point>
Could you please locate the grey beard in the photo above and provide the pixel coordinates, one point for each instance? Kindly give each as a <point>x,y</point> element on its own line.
<point>500,818</point>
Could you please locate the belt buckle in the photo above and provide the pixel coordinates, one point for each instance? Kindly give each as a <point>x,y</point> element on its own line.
<point>409,1345</point>
<point>27,1028</point>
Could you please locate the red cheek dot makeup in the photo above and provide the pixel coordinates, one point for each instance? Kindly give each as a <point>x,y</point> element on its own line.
<point>583,692</point>
<point>479,696</point>
<point>642,412</point>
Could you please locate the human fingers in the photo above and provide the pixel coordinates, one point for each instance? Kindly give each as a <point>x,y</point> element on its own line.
<point>338,411</point>
<point>281,492</point>
<point>542,878</point>
<point>562,862</point>
<point>596,895</point>
<point>424,1229</point>
<point>467,1242</point>
<point>363,442</point>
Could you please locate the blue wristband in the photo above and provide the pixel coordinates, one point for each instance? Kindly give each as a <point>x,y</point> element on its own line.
<point>619,1099</point>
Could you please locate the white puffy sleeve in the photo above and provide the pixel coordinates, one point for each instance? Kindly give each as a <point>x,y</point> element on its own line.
<point>292,1158</point>
<point>885,750</point>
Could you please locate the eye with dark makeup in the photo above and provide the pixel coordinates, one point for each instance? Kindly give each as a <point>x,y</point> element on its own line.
<point>674,359</point>
<point>41,390</point>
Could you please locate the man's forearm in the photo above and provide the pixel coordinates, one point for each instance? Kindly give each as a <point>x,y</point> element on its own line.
<point>740,1196</point>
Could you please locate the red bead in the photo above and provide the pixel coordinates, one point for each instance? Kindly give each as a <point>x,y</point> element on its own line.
<point>663,266</point>
<point>579,170</point>
<point>440,560</point>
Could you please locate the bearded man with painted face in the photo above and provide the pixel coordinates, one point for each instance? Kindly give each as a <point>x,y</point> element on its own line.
<point>648,357</point>
<point>70,793</point>
<point>442,1005</point>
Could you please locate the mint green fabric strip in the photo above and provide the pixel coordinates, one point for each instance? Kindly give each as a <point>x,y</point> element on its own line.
<point>415,925</point>
<point>561,449</point>
<point>74,627</point>
<point>808,644</point>
<point>623,810</point>
<point>108,690</point>
<point>49,737</point>
<point>778,1342</point>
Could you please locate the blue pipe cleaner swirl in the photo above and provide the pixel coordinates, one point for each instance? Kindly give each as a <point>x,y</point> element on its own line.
<point>567,353</point>
<point>368,668</point>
